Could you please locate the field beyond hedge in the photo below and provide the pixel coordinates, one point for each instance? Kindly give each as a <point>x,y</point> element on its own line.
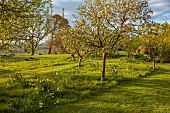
<point>54,84</point>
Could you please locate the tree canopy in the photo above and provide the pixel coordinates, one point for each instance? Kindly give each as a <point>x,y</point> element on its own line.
<point>16,17</point>
<point>105,22</point>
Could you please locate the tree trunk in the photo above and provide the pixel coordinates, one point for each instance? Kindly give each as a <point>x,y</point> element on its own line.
<point>79,62</point>
<point>128,55</point>
<point>49,51</point>
<point>153,63</point>
<point>32,52</point>
<point>73,57</point>
<point>103,66</point>
<point>96,54</point>
<point>32,49</point>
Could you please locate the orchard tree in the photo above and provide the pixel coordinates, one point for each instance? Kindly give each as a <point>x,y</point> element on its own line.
<point>151,48</point>
<point>41,26</point>
<point>130,44</point>
<point>105,22</point>
<point>13,16</point>
<point>164,43</point>
<point>67,41</point>
<point>59,42</point>
<point>12,20</point>
<point>156,42</point>
<point>151,41</point>
<point>76,46</point>
<point>16,18</point>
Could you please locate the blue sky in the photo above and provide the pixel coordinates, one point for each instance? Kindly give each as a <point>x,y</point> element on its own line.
<point>161,9</point>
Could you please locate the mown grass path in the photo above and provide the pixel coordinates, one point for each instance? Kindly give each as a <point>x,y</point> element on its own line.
<point>139,95</point>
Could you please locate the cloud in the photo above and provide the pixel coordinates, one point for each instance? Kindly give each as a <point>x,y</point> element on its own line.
<point>161,9</point>
<point>69,6</point>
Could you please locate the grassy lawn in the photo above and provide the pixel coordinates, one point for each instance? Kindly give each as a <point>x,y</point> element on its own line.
<point>54,84</point>
<point>141,95</point>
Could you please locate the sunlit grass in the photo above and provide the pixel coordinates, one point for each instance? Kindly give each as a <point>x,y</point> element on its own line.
<point>55,83</point>
<point>140,95</point>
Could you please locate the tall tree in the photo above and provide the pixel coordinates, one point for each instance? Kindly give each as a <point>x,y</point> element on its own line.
<point>59,22</point>
<point>105,22</point>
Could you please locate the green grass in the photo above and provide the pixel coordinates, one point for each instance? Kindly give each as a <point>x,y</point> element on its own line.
<point>54,84</point>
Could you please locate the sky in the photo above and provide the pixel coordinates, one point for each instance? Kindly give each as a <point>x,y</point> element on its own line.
<point>161,9</point>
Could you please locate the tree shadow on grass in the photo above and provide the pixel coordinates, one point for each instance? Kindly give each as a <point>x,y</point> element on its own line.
<point>18,59</point>
<point>5,73</point>
<point>135,96</point>
<point>61,64</point>
<point>159,85</point>
<point>132,95</point>
<point>163,71</point>
<point>118,100</point>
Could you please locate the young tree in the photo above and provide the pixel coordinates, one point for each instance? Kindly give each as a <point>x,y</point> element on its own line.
<point>151,48</point>
<point>59,43</point>
<point>77,46</point>
<point>105,22</point>
<point>130,44</point>
<point>164,42</point>
<point>152,40</point>
<point>156,42</point>
<point>67,41</point>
